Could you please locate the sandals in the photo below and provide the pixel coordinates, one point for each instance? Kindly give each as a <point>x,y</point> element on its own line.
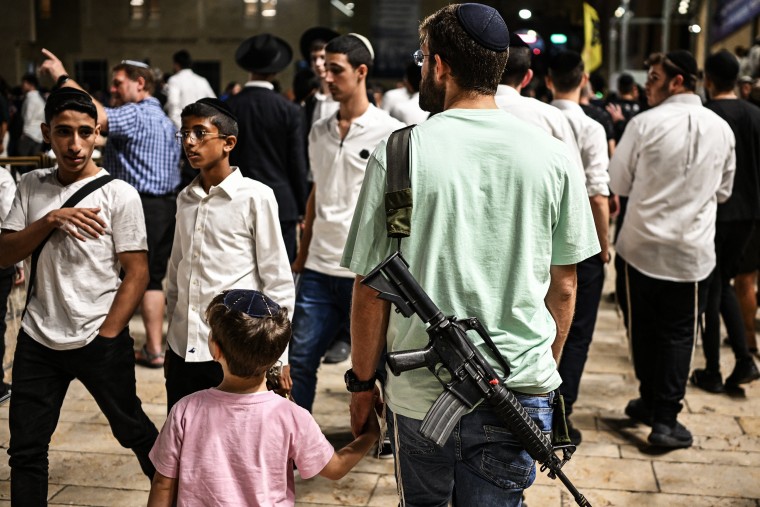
<point>145,358</point>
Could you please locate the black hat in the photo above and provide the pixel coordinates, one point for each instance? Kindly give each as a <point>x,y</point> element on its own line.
<point>264,54</point>
<point>67,97</point>
<point>219,105</point>
<point>485,25</point>
<point>565,61</point>
<point>314,34</point>
<point>684,61</point>
<point>722,65</point>
<point>515,41</point>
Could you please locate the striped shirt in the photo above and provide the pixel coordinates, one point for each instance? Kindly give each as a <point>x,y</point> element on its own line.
<point>141,148</point>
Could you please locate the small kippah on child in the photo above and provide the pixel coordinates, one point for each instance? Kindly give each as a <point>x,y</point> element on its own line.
<point>251,302</point>
<point>67,94</point>
<point>219,105</point>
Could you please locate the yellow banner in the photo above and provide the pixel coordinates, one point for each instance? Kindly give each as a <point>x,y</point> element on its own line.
<point>592,49</point>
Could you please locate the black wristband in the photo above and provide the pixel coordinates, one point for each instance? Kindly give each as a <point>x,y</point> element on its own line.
<point>61,81</point>
<point>354,385</point>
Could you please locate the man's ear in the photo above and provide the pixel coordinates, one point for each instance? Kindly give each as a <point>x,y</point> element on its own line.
<point>584,79</point>
<point>229,143</point>
<point>362,70</point>
<point>45,132</point>
<point>140,83</point>
<point>676,83</point>
<point>549,83</point>
<point>441,68</point>
<point>527,78</point>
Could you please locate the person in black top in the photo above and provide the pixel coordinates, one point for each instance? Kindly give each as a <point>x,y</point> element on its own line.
<point>735,221</point>
<point>625,105</point>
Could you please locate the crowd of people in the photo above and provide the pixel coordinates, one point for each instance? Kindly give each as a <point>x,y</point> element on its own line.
<point>251,221</point>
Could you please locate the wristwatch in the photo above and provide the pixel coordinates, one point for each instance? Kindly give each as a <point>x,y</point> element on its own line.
<point>354,385</point>
<point>61,81</point>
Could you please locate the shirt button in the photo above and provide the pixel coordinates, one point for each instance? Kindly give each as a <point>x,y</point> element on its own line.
<point>195,282</point>
<point>193,308</point>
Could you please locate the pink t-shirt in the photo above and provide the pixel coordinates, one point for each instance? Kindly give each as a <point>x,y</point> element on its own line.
<point>239,449</point>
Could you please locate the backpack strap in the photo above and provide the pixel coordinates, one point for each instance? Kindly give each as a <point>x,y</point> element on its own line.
<point>398,185</point>
<point>70,203</point>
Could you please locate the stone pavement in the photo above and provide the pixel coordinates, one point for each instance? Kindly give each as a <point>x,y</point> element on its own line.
<point>613,466</point>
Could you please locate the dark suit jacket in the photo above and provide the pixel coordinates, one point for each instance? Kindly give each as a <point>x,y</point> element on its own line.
<point>271,146</point>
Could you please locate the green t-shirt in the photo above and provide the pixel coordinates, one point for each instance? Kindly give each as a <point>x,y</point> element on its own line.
<point>496,202</point>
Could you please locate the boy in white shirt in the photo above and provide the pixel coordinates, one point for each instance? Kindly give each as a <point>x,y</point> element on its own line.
<point>227,235</point>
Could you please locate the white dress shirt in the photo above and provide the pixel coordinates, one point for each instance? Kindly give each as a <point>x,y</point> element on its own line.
<point>183,88</point>
<point>326,106</point>
<point>228,238</point>
<point>409,112</point>
<point>541,114</point>
<point>393,97</point>
<point>592,143</point>
<point>675,162</point>
<point>7,193</point>
<point>33,114</point>
<point>338,167</point>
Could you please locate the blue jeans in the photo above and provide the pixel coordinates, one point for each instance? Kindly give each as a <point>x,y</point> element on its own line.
<point>481,464</point>
<point>323,309</point>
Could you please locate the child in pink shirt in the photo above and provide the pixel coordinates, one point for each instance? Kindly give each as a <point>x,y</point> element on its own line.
<point>235,445</point>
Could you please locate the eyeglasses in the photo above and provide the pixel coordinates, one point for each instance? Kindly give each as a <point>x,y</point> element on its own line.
<point>419,57</point>
<point>196,136</point>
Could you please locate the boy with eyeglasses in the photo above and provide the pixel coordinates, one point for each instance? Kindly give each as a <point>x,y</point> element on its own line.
<point>227,235</point>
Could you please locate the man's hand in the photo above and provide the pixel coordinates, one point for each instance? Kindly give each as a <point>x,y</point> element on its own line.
<point>615,112</point>
<point>73,220</point>
<point>286,382</point>
<point>19,276</point>
<point>53,67</point>
<point>363,405</point>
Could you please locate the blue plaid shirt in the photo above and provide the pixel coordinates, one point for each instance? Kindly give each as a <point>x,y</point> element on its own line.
<point>141,148</point>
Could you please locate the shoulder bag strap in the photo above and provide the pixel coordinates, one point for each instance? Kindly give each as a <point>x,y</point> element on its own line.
<point>398,186</point>
<point>70,203</point>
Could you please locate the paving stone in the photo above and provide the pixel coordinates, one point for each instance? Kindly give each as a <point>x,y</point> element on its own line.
<point>85,438</point>
<point>596,449</point>
<point>5,489</point>
<point>746,443</point>
<point>354,489</point>
<point>708,480</point>
<point>605,498</point>
<point>98,470</point>
<point>385,493</point>
<point>717,425</point>
<point>607,473</point>
<point>541,495</point>
<point>99,497</point>
<point>695,455</point>
<point>750,425</point>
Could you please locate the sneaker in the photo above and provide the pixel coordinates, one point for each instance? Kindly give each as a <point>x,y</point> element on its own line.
<point>707,380</point>
<point>639,412</point>
<point>338,352</point>
<point>574,433</point>
<point>744,372</point>
<point>385,451</point>
<point>671,437</point>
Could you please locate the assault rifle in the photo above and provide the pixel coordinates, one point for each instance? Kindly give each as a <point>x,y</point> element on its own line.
<point>466,376</point>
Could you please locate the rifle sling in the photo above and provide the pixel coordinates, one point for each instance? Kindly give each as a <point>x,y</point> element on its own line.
<point>72,201</point>
<point>398,186</point>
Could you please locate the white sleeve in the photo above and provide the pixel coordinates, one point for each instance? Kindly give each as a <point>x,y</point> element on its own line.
<point>623,163</point>
<point>597,161</point>
<point>173,106</point>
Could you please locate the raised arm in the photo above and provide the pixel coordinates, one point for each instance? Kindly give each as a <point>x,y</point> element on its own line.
<point>55,69</point>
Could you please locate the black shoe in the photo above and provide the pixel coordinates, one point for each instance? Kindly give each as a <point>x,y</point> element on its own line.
<point>574,434</point>
<point>707,380</point>
<point>671,437</point>
<point>338,352</point>
<point>639,412</point>
<point>385,451</point>
<point>744,372</point>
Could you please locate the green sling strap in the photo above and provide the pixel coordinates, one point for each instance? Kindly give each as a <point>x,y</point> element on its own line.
<point>398,185</point>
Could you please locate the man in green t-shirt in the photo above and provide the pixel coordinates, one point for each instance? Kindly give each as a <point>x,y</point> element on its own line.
<point>500,219</point>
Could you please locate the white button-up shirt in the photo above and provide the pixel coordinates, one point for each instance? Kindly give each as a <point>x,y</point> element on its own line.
<point>675,162</point>
<point>592,143</point>
<point>228,238</point>
<point>33,114</point>
<point>183,88</point>
<point>539,114</point>
<point>338,167</point>
<point>410,112</point>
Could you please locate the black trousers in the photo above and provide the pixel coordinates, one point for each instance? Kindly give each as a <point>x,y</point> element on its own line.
<point>6,284</point>
<point>662,317</point>
<point>41,377</point>
<point>574,354</point>
<point>183,378</point>
<point>160,217</point>
<point>731,239</point>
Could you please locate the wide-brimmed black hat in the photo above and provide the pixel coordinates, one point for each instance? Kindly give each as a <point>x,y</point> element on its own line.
<point>264,54</point>
<point>313,34</point>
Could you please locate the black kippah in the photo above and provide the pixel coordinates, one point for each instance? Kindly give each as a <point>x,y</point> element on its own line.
<point>565,61</point>
<point>484,25</point>
<point>219,105</point>
<point>684,61</point>
<point>63,98</point>
<point>251,302</point>
<point>515,41</point>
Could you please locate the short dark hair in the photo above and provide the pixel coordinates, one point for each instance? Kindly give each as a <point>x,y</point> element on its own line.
<point>317,45</point>
<point>625,83</point>
<point>31,79</point>
<point>566,71</point>
<point>722,68</point>
<point>413,75</point>
<point>69,99</point>
<point>133,72</point>
<point>475,68</point>
<point>226,125</point>
<point>354,49</point>
<point>517,66</point>
<point>250,345</point>
<point>672,70</point>
<point>183,59</point>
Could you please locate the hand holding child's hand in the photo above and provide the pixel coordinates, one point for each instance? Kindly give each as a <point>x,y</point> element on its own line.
<point>372,427</point>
